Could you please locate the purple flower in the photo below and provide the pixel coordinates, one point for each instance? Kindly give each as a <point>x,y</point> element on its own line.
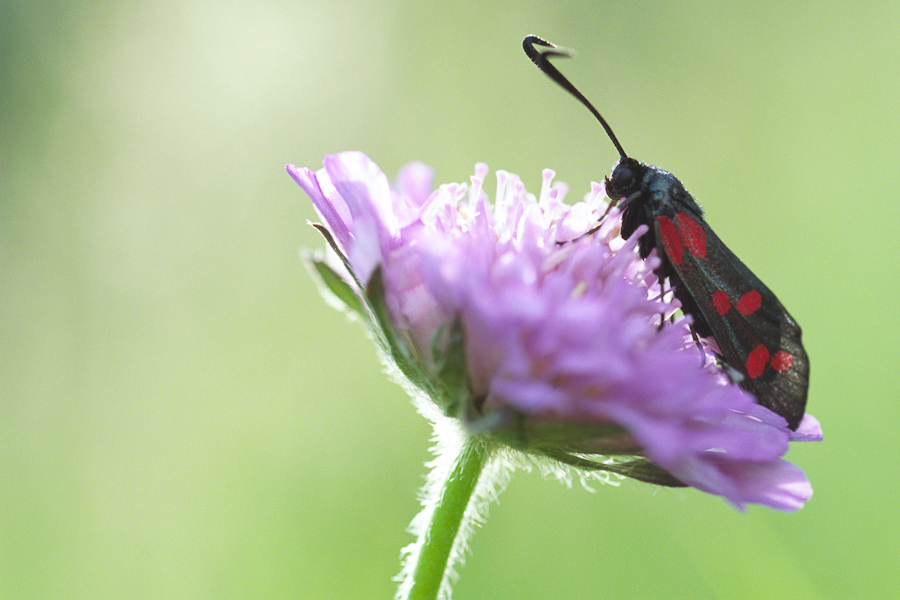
<point>511,319</point>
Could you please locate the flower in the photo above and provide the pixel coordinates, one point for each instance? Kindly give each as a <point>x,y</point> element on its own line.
<point>526,325</point>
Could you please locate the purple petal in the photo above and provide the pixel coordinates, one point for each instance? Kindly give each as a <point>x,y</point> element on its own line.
<point>776,483</point>
<point>415,182</point>
<point>333,210</point>
<point>365,188</point>
<point>809,430</point>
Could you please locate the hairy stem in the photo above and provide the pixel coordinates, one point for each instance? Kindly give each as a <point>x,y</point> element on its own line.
<point>447,513</point>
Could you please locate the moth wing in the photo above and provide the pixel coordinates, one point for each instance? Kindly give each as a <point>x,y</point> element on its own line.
<point>755,333</point>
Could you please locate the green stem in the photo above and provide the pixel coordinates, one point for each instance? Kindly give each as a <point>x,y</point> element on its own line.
<point>438,540</point>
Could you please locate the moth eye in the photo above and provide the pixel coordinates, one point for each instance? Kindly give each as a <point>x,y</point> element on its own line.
<point>623,177</point>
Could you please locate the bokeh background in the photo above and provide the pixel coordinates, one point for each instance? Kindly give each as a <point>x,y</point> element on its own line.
<point>183,417</point>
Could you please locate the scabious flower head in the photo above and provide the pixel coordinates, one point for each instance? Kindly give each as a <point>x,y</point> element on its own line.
<point>519,320</point>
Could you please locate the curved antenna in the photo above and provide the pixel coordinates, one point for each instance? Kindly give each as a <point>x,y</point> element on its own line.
<point>541,58</point>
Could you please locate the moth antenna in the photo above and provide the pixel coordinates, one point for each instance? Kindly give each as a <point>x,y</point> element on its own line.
<point>541,58</point>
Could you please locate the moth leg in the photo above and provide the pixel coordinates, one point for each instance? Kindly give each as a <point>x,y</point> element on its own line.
<point>583,235</point>
<point>662,294</point>
<point>593,229</point>
<point>733,374</point>
<point>700,348</point>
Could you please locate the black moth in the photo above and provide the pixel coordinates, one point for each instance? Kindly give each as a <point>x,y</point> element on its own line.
<point>755,334</point>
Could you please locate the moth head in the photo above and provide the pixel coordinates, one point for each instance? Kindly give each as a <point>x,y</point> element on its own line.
<point>625,178</point>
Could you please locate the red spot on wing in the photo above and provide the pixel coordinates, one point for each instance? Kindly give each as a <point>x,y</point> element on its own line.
<point>670,240</point>
<point>693,235</point>
<point>782,361</point>
<point>757,361</point>
<point>749,302</point>
<point>721,302</point>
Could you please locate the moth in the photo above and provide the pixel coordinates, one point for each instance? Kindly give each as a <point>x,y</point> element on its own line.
<point>756,336</point>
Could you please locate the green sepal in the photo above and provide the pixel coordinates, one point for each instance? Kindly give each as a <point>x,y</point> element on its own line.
<point>334,246</point>
<point>449,351</point>
<point>401,352</point>
<point>591,447</point>
<point>337,285</point>
<point>385,327</point>
<point>638,468</point>
<point>514,429</point>
<point>646,471</point>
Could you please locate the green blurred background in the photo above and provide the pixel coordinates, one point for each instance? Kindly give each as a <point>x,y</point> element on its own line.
<point>182,416</point>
